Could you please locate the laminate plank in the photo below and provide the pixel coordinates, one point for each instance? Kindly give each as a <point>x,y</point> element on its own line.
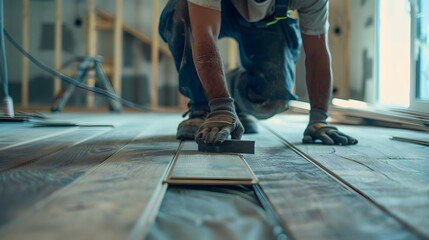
<point>390,173</point>
<point>35,147</point>
<point>313,205</point>
<point>15,134</point>
<point>193,167</point>
<point>109,200</point>
<point>32,151</point>
<point>21,187</point>
<point>18,133</point>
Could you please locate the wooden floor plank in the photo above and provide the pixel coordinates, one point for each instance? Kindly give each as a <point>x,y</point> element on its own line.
<point>13,134</point>
<point>391,173</point>
<point>16,134</point>
<point>106,200</point>
<point>193,167</point>
<point>21,187</point>
<point>32,151</point>
<point>311,204</point>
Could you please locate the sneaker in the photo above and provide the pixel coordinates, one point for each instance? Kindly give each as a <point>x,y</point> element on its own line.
<point>250,123</point>
<point>188,128</point>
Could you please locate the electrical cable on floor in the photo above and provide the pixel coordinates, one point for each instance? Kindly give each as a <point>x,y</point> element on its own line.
<point>7,101</point>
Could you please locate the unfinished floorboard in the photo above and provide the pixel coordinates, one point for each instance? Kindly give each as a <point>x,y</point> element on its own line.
<point>193,167</point>
<point>390,173</point>
<point>21,187</point>
<point>15,134</point>
<point>32,151</point>
<point>311,204</point>
<point>108,199</point>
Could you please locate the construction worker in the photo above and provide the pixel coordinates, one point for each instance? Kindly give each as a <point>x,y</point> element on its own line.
<point>269,41</point>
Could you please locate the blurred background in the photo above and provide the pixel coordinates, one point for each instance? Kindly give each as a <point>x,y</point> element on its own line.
<point>379,52</point>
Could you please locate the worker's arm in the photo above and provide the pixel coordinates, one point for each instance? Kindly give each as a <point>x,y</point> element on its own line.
<point>319,87</point>
<point>318,71</point>
<point>222,120</point>
<point>205,24</point>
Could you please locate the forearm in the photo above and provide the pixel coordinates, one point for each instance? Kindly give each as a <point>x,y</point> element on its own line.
<point>319,82</point>
<point>208,64</point>
<point>205,25</point>
<point>319,87</point>
<point>318,72</point>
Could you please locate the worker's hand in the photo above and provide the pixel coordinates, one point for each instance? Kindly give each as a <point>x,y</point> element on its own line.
<point>221,122</point>
<point>328,134</point>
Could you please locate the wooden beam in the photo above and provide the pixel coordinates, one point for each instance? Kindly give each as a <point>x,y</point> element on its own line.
<point>117,49</point>
<point>183,101</point>
<point>91,47</point>
<point>232,54</point>
<point>155,54</point>
<point>58,42</point>
<point>25,46</point>
<point>133,31</point>
<point>346,77</point>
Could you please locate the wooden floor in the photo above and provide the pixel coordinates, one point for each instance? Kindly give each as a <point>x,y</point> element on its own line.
<point>103,182</point>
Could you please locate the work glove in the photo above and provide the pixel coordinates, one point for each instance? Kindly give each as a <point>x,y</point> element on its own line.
<point>319,129</point>
<point>328,134</point>
<point>221,122</point>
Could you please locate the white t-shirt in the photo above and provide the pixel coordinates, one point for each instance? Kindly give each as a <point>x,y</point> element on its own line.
<point>313,14</point>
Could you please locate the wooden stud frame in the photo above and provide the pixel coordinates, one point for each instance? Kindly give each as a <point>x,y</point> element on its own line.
<point>58,42</point>
<point>25,46</point>
<point>117,49</point>
<point>155,54</point>
<point>91,47</point>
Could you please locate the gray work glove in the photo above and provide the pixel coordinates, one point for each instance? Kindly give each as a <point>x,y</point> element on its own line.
<point>328,134</point>
<point>319,129</point>
<point>221,122</point>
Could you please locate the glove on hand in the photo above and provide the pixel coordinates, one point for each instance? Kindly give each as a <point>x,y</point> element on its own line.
<point>220,122</point>
<point>329,135</point>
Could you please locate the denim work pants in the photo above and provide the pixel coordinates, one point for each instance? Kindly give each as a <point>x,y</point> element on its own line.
<point>262,86</point>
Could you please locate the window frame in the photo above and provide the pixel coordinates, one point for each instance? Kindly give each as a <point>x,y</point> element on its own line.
<point>416,104</point>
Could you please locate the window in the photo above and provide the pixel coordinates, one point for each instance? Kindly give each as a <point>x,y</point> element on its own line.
<point>420,32</point>
<point>403,54</point>
<point>394,53</point>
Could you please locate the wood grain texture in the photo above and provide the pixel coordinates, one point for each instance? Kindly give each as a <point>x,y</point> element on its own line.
<point>311,204</point>
<point>109,198</point>
<point>22,185</point>
<point>192,167</point>
<point>390,173</point>
<point>97,189</point>
<point>32,151</point>
<point>14,134</point>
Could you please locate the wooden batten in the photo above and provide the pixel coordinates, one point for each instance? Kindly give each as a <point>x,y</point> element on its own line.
<point>155,55</point>
<point>117,49</point>
<point>58,42</point>
<point>232,54</point>
<point>346,78</point>
<point>91,47</point>
<point>25,46</point>
<point>105,20</point>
